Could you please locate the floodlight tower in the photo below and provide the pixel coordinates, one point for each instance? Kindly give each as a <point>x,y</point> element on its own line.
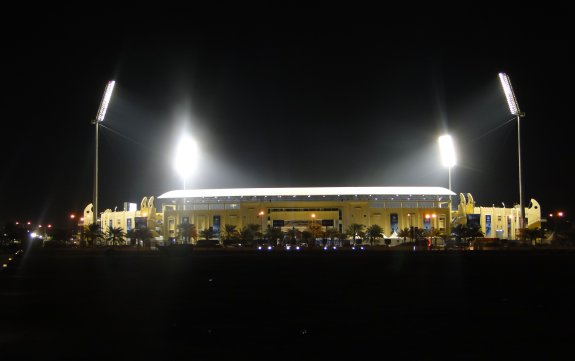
<point>447,157</point>
<point>100,118</point>
<point>514,109</point>
<point>186,159</point>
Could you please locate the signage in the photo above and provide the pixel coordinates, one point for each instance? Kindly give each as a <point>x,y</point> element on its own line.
<point>216,224</point>
<point>393,221</point>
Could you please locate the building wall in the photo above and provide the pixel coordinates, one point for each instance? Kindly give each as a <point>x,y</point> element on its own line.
<point>505,221</point>
<point>298,214</point>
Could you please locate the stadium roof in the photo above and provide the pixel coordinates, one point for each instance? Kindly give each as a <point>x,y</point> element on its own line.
<point>308,191</point>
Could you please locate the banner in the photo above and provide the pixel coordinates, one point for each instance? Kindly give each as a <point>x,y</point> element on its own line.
<point>216,223</point>
<point>393,221</point>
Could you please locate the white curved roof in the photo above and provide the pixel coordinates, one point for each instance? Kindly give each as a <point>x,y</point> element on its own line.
<point>308,191</point>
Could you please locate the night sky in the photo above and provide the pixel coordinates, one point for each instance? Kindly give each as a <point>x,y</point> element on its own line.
<point>284,104</point>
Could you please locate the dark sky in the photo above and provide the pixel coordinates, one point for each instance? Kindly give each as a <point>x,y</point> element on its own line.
<point>284,104</point>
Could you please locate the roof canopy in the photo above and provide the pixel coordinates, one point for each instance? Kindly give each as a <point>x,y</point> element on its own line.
<point>309,191</point>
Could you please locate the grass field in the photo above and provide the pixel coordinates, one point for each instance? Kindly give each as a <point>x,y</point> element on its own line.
<point>78,304</point>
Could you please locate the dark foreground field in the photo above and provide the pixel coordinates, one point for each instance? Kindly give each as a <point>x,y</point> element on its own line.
<point>217,305</point>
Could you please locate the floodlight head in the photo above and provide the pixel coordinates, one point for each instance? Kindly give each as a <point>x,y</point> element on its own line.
<point>509,94</point>
<point>447,150</point>
<point>105,101</point>
<point>186,156</point>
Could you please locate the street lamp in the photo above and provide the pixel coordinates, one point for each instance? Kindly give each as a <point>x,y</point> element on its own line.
<point>313,227</point>
<point>514,109</point>
<point>557,216</point>
<point>410,226</point>
<point>261,214</point>
<point>100,118</point>
<point>447,158</point>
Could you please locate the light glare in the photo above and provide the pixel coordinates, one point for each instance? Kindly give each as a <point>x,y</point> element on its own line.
<point>186,156</point>
<point>105,101</point>
<point>447,150</point>
<point>509,94</point>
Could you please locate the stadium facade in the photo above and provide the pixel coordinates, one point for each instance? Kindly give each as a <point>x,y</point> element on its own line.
<point>392,208</point>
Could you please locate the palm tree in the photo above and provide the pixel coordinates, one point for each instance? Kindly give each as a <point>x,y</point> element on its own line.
<point>404,233</point>
<point>187,231</point>
<point>374,232</point>
<point>249,232</point>
<point>432,233</point>
<point>93,234</point>
<point>143,234</point>
<point>474,231</point>
<point>331,233</point>
<point>230,231</point>
<point>114,235</point>
<point>208,233</point>
<point>355,229</point>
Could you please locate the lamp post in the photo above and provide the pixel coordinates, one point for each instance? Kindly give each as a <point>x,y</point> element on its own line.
<point>410,226</point>
<point>514,109</point>
<point>100,118</point>
<point>313,227</point>
<point>261,214</point>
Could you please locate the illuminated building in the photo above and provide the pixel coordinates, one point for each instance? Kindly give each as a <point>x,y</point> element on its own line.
<point>392,208</point>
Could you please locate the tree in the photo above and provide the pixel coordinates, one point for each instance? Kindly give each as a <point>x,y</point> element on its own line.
<point>432,233</point>
<point>115,235</point>
<point>307,237</point>
<point>274,234</point>
<point>208,233</point>
<point>404,233</point>
<point>143,234</point>
<point>473,231</point>
<point>187,231</point>
<point>294,235</point>
<point>249,232</point>
<point>463,231</point>
<point>230,231</point>
<point>93,234</point>
<point>355,229</point>
<point>14,233</point>
<point>374,232</point>
<point>316,230</point>
<point>533,234</point>
<point>459,231</point>
<point>331,233</point>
